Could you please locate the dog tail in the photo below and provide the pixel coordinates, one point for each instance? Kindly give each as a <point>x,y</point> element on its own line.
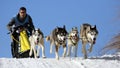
<point>47,38</point>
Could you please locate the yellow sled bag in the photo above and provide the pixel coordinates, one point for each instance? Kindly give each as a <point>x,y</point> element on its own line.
<point>24,42</point>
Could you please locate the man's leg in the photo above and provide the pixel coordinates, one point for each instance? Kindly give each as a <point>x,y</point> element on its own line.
<point>16,45</point>
<point>12,49</point>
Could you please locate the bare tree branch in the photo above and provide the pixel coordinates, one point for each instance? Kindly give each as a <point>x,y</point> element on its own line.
<point>114,44</point>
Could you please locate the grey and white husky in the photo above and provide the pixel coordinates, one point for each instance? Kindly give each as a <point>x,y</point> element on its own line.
<point>88,34</point>
<point>37,39</point>
<point>57,38</point>
<point>73,39</point>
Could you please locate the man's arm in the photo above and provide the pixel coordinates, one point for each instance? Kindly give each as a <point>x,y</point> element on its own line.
<point>10,24</point>
<point>31,23</point>
<point>31,26</point>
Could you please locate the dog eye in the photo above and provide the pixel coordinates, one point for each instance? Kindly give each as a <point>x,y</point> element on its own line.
<point>64,33</point>
<point>88,31</point>
<point>38,34</point>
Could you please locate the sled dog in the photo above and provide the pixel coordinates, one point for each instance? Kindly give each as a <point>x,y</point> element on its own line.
<point>57,38</point>
<point>73,39</point>
<point>88,34</point>
<point>36,39</point>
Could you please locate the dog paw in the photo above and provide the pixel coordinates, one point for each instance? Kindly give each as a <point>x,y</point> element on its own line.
<point>64,55</point>
<point>85,56</point>
<point>44,57</point>
<point>38,56</point>
<point>57,58</point>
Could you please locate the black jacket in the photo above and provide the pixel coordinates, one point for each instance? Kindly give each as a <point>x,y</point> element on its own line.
<point>29,24</point>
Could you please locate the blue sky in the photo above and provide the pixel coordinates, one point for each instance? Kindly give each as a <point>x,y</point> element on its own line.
<point>47,15</point>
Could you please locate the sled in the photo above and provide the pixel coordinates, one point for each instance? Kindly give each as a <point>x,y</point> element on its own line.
<point>23,47</point>
<point>24,42</point>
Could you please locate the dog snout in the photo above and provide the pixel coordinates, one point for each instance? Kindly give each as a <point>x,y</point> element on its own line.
<point>94,39</point>
<point>37,39</point>
<point>76,35</point>
<point>64,39</point>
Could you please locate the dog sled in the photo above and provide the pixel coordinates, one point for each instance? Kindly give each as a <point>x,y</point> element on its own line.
<point>20,47</point>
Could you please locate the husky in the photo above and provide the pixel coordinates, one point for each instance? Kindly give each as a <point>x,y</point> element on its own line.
<point>57,38</point>
<point>73,39</point>
<point>37,39</point>
<point>88,34</point>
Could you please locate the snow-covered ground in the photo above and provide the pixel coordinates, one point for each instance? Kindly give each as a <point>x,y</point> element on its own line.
<point>106,61</point>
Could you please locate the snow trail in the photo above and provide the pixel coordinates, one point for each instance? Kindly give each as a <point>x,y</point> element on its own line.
<point>94,62</point>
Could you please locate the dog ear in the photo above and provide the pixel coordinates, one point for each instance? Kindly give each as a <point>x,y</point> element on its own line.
<point>95,26</point>
<point>72,28</point>
<point>39,29</point>
<point>76,28</point>
<point>56,29</point>
<point>64,27</point>
<point>89,28</point>
<point>33,31</point>
<point>40,32</point>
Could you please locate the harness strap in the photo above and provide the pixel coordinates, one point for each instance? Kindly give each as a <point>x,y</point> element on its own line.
<point>72,41</point>
<point>18,23</point>
<point>14,38</point>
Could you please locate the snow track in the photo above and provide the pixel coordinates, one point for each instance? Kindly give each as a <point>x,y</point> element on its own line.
<point>62,63</point>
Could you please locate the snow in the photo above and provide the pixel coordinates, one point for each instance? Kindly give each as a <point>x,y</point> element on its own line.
<point>106,61</point>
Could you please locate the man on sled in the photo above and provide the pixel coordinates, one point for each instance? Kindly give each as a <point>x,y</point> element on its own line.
<point>21,27</point>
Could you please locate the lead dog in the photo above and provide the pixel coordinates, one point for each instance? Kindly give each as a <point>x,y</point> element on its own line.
<point>36,39</point>
<point>57,38</point>
<point>88,34</point>
<point>73,39</point>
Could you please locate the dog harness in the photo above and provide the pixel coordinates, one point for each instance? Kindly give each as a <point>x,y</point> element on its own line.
<point>70,37</point>
<point>74,43</point>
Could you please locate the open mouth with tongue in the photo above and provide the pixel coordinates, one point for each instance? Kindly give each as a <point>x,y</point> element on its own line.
<point>74,38</point>
<point>37,41</point>
<point>94,41</point>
